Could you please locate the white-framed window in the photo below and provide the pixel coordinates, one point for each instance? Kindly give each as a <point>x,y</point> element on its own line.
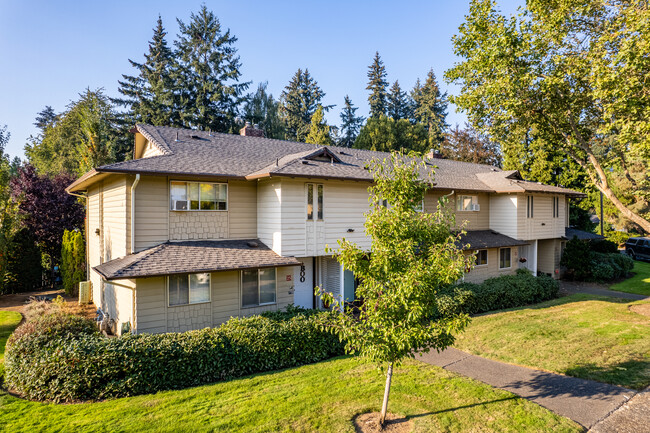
<point>198,196</point>
<point>258,287</point>
<point>466,203</point>
<point>530,206</point>
<point>556,207</point>
<point>505,255</point>
<point>481,257</point>
<point>186,289</point>
<point>314,201</point>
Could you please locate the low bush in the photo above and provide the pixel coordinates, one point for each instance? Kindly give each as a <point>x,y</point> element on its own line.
<point>507,291</point>
<point>603,246</point>
<point>72,366</point>
<point>596,261</point>
<point>602,272</point>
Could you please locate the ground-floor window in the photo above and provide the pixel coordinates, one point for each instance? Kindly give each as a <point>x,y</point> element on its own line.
<point>481,257</point>
<point>187,289</point>
<point>504,258</point>
<point>258,287</point>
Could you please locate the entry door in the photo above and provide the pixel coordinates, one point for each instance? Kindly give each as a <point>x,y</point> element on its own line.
<point>303,277</point>
<point>315,219</point>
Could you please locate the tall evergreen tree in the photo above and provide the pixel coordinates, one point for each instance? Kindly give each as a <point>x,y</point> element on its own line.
<point>262,109</point>
<point>207,75</point>
<point>377,85</point>
<point>45,117</point>
<point>300,99</point>
<point>350,123</point>
<point>400,105</point>
<point>431,109</point>
<point>319,130</point>
<point>149,95</point>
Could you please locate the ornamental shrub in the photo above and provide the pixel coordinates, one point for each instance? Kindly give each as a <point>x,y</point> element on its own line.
<point>73,260</point>
<point>67,366</point>
<point>602,272</point>
<point>576,258</point>
<point>603,246</point>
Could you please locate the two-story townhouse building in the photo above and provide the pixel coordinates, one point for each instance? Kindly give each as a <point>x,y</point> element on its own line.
<point>200,226</point>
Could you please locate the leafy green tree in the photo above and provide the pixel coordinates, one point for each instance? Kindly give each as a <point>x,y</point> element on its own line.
<point>377,85</point>
<point>350,123</point>
<point>400,105</point>
<point>206,77</point>
<point>24,270</point>
<point>385,134</point>
<point>430,109</point>
<point>414,256</point>
<point>73,260</point>
<point>573,73</point>
<point>319,130</point>
<point>470,146</point>
<point>300,99</point>
<point>79,139</point>
<point>261,109</point>
<point>149,95</point>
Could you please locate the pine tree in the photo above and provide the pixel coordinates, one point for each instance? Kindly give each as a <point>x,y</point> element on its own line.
<point>207,74</point>
<point>149,95</point>
<point>262,109</point>
<point>319,130</point>
<point>431,109</point>
<point>45,118</point>
<point>377,85</point>
<point>300,99</point>
<point>350,123</point>
<point>400,105</point>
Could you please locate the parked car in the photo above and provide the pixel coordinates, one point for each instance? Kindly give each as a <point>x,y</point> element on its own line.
<point>638,248</point>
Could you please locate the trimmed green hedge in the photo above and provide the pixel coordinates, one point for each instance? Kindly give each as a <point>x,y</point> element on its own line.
<point>596,261</point>
<point>73,366</point>
<point>507,291</point>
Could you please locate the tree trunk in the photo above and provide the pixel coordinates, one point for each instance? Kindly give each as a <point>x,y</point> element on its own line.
<point>384,406</point>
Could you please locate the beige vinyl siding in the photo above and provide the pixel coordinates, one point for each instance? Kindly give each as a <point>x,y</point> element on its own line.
<point>269,213</point>
<point>93,241</point>
<point>150,150</point>
<point>482,273</point>
<point>548,256</point>
<point>294,217</point>
<point>475,220</point>
<point>151,212</point>
<point>242,209</point>
<point>504,214</point>
<point>151,305</point>
<point>543,225</point>
<point>115,233</point>
<point>118,302</point>
<point>345,204</point>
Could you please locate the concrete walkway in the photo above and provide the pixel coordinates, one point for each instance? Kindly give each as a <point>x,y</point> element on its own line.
<point>572,288</point>
<point>584,401</point>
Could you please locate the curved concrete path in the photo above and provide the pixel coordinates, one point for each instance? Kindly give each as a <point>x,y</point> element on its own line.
<point>584,401</point>
<point>573,288</point>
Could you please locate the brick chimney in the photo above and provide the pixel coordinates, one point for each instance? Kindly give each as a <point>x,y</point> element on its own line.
<point>251,131</point>
<point>434,154</point>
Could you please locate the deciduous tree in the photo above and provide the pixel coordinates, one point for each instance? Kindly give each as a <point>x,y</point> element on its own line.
<point>414,255</point>
<point>385,134</point>
<point>470,146</point>
<point>319,130</point>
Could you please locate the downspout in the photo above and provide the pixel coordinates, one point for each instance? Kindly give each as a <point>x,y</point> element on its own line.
<point>135,183</point>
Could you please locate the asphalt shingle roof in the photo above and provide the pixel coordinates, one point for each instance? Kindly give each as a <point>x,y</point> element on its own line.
<point>480,239</point>
<point>569,233</point>
<point>193,257</point>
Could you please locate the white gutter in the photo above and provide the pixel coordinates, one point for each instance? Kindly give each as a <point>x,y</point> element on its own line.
<point>135,183</point>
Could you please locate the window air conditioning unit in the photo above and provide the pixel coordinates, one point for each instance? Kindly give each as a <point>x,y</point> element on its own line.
<point>475,207</point>
<point>84,292</point>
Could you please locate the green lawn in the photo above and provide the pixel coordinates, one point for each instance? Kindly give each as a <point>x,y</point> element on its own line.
<point>322,397</point>
<point>8,322</point>
<point>581,335</point>
<point>639,283</point>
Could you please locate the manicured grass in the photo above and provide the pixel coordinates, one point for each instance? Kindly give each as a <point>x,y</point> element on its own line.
<point>8,322</point>
<point>639,283</point>
<point>581,335</point>
<point>320,397</point>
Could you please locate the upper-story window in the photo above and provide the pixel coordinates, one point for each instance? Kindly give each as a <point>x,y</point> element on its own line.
<point>556,207</point>
<point>314,201</point>
<point>198,196</point>
<point>530,206</point>
<point>467,203</point>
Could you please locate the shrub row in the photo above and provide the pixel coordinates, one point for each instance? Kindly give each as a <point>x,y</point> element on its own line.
<point>610,266</point>
<point>68,362</point>
<point>507,291</point>
<point>595,261</point>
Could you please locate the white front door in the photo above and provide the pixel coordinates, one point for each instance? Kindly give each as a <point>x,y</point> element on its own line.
<point>303,277</point>
<point>315,219</point>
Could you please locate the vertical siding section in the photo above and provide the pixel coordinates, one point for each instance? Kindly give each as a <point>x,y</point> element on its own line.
<point>151,305</point>
<point>151,212</point>
<point>505,213</point>
<point>242,209</point>
<point>344,207</point>
<point>543,225</point>
<point>269,213</point>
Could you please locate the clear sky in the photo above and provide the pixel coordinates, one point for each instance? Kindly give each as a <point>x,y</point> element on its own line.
<point>50,51</point>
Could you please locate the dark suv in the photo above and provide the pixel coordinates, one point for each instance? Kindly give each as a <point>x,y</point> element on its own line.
<point>638,248</point>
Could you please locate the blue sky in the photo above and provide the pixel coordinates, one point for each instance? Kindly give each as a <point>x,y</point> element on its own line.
<point>51,51</point>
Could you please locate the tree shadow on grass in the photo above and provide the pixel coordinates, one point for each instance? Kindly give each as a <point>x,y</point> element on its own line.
<point>467,406</point>
<point>633,374</point>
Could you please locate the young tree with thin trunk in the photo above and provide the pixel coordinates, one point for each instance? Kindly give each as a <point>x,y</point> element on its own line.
<point>414,255</point>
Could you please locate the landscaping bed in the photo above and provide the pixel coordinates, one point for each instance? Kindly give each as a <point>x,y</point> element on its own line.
<point>583,336</point>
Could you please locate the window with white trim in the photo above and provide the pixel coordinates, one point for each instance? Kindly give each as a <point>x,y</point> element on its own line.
<point>481,257</point>
<point>258,287</point>
<point>185,289</point>
<point>466,203</point>
<point>314,201</point>
<point>530,205</point>
<point>198,196</point>
<point>505,258</point>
